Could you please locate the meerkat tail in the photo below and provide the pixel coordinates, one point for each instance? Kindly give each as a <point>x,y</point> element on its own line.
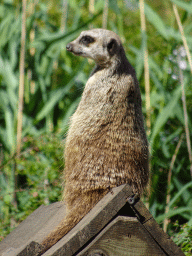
<point>81,207</point>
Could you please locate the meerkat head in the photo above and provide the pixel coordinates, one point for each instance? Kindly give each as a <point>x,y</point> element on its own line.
<point>101,45</point>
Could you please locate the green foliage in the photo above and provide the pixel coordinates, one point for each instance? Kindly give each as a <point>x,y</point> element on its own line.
<point>39,172</point>
<point>183,238</point>
<point>54,81</point>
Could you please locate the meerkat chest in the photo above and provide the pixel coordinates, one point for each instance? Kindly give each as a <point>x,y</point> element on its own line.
<point>92,80</point>
<point>99,89</point>
<point>98,82</point>
<point>104,95</point>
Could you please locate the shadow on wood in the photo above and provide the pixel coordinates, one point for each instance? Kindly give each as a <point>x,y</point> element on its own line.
<point>113,227</point>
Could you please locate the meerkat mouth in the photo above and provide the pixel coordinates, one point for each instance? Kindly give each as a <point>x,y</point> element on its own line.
<point>78,53</point>
<point>70,48</point>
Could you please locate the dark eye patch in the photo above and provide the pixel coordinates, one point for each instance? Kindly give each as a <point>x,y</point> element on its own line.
<point>86,40</point>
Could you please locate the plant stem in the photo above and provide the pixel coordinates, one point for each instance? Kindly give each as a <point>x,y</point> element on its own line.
<point>146,70</point>
<point>21,78</point>
<point>105,14</point>
<point>181,79</point>
<point>91,7</point>
<point>64,15</point>
<point>182,35</point>
<point>166,221</point>
<point>182,83</point>
<point>147,87</point>
<point>21,89</point>
<point>91,11</point>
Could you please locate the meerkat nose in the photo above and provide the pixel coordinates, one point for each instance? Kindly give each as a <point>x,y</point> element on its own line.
<point>69,47</point>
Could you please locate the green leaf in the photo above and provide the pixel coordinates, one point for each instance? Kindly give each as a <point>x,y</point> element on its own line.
<point>5,28</point>
<point>7,73</point>
<point>71,109</point>
<point>54,98</point>
<point>184,5</point>
<point>139,63</point>
<point>172,213</point>
<point>164,115</point>
<point>114,6</point>
<point>156,21</point>
<point>10,135</point>
<point>156,67</point>
<point>188,185</point>
<point>140,56</point>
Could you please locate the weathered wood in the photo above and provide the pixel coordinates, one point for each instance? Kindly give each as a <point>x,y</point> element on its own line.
<point>34,228</point>
<point>162,238</point>
<point>123,236</point>
<point>101,231</point>
<point>92,223</point>
<point>31,249</point>
<point>154,230</point>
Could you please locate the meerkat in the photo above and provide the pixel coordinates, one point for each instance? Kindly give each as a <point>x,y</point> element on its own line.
<point>106,145</point>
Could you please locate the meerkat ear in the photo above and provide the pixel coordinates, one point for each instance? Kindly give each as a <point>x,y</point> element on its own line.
<point>112,46</point>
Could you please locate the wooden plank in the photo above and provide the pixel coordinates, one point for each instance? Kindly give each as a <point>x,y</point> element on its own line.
<point>145,217</point>
<point>141,211</point>
<point>34,228</point>
<point>32,249</point>
<point>38,225</point>
<point>92,223</point>
<point>162,238</point>
<point>123,236</point>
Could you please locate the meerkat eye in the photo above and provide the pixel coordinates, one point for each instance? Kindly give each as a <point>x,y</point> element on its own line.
<point>86,40</point>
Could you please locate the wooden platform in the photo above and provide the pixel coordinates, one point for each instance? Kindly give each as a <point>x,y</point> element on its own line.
<point>114,227</point>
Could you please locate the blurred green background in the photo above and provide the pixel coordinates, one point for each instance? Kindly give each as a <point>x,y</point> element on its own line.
<point>31,157</point>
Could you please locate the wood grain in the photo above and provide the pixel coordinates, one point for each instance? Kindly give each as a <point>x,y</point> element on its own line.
<point>113,227</point>
<point>92,223</point>
<point>151,226</point>
<point>123,236</point>
<point>33,228</point>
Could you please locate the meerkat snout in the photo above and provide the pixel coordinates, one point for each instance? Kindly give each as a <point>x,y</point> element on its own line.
<point>69,47</point>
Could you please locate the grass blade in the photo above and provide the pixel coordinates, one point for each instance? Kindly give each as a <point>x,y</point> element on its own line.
<point>184,5</point>
<point>156,21</point>
<point>164,115</point>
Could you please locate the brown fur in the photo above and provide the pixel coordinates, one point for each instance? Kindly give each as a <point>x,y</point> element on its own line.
<point>106,145</point>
